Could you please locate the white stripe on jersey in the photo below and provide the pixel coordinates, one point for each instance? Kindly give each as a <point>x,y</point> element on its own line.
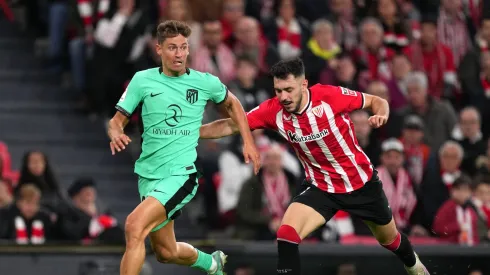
<point>343,144</point>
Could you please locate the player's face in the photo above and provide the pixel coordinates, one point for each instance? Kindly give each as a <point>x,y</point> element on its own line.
<point>174,52</point>
<point>291,92</point>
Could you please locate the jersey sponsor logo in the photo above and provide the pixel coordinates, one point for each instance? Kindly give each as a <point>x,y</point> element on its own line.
<point>293,137</point>
<point>174,115</point>
<point>346,91</point>
<point>192,96</point>
<point>153,95</point>
<point>170,132</point>
<point>123,95</point>
<point>318,111</point>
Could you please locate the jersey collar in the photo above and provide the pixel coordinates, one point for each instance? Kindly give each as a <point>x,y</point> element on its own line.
<point>187,71</point>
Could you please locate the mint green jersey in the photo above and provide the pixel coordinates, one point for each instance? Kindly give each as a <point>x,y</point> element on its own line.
<point>172,112</point>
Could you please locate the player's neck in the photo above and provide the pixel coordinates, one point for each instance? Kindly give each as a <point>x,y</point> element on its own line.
<point>304,101</point>
<point>168,72</point>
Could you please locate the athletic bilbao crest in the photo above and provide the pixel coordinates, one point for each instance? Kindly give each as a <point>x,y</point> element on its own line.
<point>318,111</point>
<point>191,96</point>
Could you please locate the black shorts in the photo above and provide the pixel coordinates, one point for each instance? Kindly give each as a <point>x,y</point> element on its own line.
<point>368,203</point>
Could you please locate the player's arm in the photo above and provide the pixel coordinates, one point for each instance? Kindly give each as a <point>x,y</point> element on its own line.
<point>218,129</point>
<point>130,99</point>
<point>237,114</point>
<point>115,131</point>
<point>379,107</point>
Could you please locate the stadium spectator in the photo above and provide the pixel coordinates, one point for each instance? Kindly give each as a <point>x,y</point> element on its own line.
<point>439,116</point>
<point>396,30</point>
<point>287,32</point>
<point>258,218</point>
<point>232,12</point>
<point>344,21</point>
<point>483,161</point>
<point>6,197</point>
<point>368,142</point>
<point>397,185</point>
<point>321,51</point>
<point>180,10</point>
<point>119,42</point>
<point>417,153</point>
<point>212,55</point>
<point>250,88</point>
<point>84,17</point>
<point>90,222</point>
<point>456,221</point>
<point>452,29</point>
<point>397,85</point>
<point>435,59</point>
<point>470,137</point>
<point>481,204</point>
<point>24,222</point>
<point>372,55</point>
<point>250,42</point>
<point>442,172</point>
<point>36,169</point>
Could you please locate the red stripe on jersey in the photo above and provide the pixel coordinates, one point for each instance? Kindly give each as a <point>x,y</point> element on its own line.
<point>312,170</point>
<point>341,171</point>
<point>323,168</point>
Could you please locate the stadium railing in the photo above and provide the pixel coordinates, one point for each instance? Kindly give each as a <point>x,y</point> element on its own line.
<point>321,259</point>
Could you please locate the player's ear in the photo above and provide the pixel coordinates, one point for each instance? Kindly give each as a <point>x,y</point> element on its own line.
<point>158,47</point>
<point>305,83</point>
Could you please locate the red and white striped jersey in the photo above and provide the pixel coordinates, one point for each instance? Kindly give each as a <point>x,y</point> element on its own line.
<point>322,135</point>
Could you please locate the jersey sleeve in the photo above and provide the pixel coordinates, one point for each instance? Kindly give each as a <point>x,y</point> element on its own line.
<point>132,97</point>
<point>218,90</point>
<point>262,117</point>
<point>342,99</point>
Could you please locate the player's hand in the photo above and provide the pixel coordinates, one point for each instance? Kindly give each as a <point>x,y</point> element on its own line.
<point>377,121</point>
<point>250,153</point>
<point>119,143</point>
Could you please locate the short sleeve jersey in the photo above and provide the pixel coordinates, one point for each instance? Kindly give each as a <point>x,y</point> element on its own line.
<point>322,136</point>
<point>171,111</point>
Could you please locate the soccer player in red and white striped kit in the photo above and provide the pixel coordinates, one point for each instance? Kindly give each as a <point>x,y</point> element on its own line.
<point>315,121</point>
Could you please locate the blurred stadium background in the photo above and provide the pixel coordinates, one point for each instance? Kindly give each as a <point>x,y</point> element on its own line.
<point>65,63</point>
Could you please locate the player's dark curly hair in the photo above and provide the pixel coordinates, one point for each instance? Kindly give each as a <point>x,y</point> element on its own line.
<point>172,28</point>
<point>284,68</point>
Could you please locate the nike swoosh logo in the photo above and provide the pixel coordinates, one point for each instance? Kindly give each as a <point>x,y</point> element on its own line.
<point>153,95</point>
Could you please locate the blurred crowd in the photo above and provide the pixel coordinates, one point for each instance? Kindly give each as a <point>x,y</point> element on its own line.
<point>429,59</point>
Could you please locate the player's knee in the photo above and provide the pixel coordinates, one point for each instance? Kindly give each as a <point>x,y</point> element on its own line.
<point>165,255</point>
<point>134,230</point>
<point>288,234</point>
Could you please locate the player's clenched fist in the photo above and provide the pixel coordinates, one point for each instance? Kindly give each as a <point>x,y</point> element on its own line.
<point>377,121</point>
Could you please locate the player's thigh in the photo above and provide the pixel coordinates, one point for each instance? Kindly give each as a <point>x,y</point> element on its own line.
<point>148,214</point>
<point>308,211</point>
<point>163,241</point>
<point>174,193</point>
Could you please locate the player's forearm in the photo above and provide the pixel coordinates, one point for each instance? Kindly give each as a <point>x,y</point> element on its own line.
<point>117,124</point>
<point>237,114</point>
<point>218,129</point>
<point>380,107</point>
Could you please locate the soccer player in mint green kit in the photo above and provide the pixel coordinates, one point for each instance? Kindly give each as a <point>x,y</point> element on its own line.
<point>173,99</point>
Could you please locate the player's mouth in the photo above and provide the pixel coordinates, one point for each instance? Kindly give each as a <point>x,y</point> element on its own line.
<point>177,62</point>
<point>287,103</point>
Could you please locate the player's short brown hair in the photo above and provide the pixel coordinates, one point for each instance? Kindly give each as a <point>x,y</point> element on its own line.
<point>172,28</point>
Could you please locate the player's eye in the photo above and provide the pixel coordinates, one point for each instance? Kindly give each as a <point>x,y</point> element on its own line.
<point>183,48</point>
<point>172,48</point>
